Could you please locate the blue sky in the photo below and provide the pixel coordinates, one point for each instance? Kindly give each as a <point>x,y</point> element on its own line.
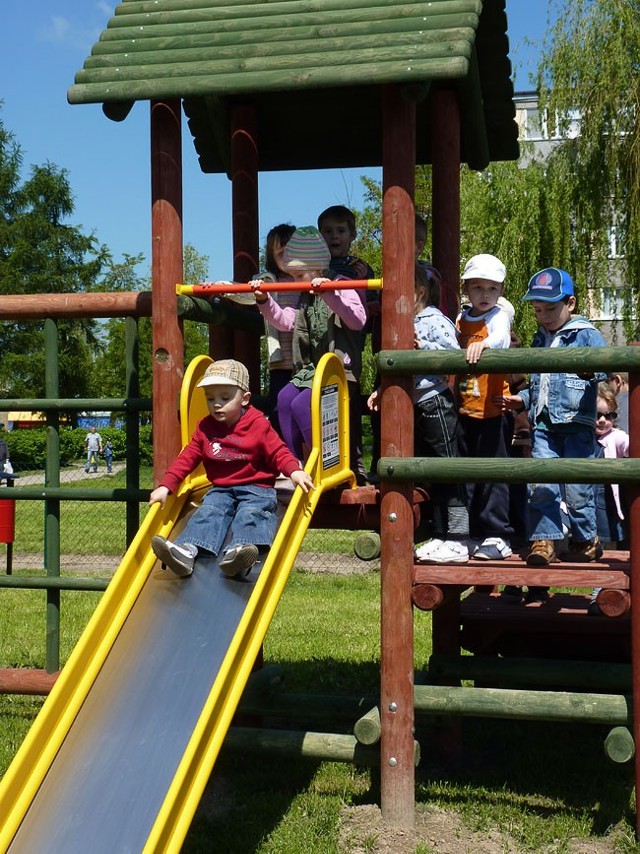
<point>43,43</point>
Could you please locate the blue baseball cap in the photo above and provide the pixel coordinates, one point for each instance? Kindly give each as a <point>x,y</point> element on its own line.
<point>549,285</point>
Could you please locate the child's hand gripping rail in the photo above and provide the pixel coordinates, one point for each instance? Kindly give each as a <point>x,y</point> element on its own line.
<point>221,288</point>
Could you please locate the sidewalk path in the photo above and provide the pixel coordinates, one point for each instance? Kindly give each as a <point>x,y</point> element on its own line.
<point>67,475</point>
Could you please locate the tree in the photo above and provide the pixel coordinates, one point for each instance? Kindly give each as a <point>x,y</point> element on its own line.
<point>110,364</point>
<point>589,73</point>
<point>41,254</point>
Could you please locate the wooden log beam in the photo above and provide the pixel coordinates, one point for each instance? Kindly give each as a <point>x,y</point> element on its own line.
<point>166,270</point>
<point>367,728</point>
<point>517,704</point>
<point>271,31</point>
<point>37,307</point>
<point>397,776</point>
<point>320,746</point>
<point>509,470</point>
<point>427,597</point>
<point>614,603</point>
<point>619,745</point>
<point>522,360</point>
<point>258,80</point>
<point>26,681</point>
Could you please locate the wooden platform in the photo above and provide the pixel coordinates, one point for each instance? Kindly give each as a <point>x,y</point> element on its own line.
<point>492,623</point>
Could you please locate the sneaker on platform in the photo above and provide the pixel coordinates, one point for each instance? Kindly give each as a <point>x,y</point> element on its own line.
<point>542,553</point>
<point>493,548</point>
<point>448,552</point>
<point>423,551</point>
<point>583,552</point>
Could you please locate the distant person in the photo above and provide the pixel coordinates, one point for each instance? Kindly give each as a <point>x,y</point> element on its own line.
<point>242,456</point>
<point>93,447</point>
<point>108,455</point>
<point>4,450</point>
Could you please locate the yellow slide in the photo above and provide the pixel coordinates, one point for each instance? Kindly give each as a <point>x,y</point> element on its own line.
<point>122,749</point>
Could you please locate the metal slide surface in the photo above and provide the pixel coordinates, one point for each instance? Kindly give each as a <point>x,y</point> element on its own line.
<point>121,752</point>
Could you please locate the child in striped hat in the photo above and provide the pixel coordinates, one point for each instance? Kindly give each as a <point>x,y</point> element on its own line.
<point>323,322</point>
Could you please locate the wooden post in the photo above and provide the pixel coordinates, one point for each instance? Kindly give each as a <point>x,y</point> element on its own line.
<point>397,775</point>
<point>634,568</point>
<point>445,194</point>
<point>166,272</point>
<point>244,203</point>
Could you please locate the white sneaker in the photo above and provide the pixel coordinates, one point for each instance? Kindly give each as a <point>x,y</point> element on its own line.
<point>493,548</point>
<point>423,551</point>
<point>179,559</point>
<point>238,559</point>
<point>449,551</point>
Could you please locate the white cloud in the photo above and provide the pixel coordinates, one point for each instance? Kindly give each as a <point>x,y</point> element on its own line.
<point>74,31</point>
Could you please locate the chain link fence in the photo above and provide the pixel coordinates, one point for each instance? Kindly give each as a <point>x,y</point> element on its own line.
<point>93,533</point>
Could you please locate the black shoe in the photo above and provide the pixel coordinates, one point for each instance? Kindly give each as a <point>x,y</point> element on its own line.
<point>537,594</point>
<point>512,591</point>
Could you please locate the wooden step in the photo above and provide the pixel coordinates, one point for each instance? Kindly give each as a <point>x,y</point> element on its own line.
<point>611,572</point>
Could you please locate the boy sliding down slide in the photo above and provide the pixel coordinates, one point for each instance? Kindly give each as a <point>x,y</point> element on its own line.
<point>242,456</point>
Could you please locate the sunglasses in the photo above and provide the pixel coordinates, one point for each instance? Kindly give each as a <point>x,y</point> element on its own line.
<point>610,416</point>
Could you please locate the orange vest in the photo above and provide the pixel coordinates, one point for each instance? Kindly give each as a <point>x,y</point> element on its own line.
<point>476,391</point>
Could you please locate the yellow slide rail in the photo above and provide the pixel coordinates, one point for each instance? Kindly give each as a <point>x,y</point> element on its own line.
<point>328,465</point>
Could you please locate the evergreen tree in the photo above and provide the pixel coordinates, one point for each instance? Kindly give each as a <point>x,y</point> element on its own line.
<point>41,254</point>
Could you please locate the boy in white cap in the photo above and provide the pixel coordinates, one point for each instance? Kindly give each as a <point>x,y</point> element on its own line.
<point>485,324</point>
<point>242,456</point>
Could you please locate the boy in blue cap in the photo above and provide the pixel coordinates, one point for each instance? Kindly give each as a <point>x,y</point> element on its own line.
<point>562,410</point>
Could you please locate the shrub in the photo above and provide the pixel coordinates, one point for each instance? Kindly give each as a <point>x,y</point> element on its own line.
<point>28,447</point>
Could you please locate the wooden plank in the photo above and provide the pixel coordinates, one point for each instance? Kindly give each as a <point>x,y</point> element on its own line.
<point>127,15</point>
<point>407,48</point>
<point>191,37</point>
<point>376,72</point>
<point>299,50</point>
<point>470,575</point>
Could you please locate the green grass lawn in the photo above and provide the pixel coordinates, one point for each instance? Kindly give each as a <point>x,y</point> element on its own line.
<point>542,784</point>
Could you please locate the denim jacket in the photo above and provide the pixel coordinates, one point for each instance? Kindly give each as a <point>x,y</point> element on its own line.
<point>568,398</point>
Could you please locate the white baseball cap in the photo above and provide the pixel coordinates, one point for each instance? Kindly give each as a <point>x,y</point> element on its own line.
<point>485,267</point>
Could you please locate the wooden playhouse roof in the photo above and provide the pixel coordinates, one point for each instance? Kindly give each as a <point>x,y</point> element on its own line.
<point>314,70</point>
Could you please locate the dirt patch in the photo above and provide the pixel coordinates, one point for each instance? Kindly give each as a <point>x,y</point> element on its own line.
<point>362,831</point>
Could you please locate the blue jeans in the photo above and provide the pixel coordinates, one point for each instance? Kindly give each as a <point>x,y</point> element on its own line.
<point>544,518</point>
<point>92,460</point>
<point>246,513</point>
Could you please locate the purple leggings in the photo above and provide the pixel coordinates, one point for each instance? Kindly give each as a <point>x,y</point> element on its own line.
<point>294,414</point>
